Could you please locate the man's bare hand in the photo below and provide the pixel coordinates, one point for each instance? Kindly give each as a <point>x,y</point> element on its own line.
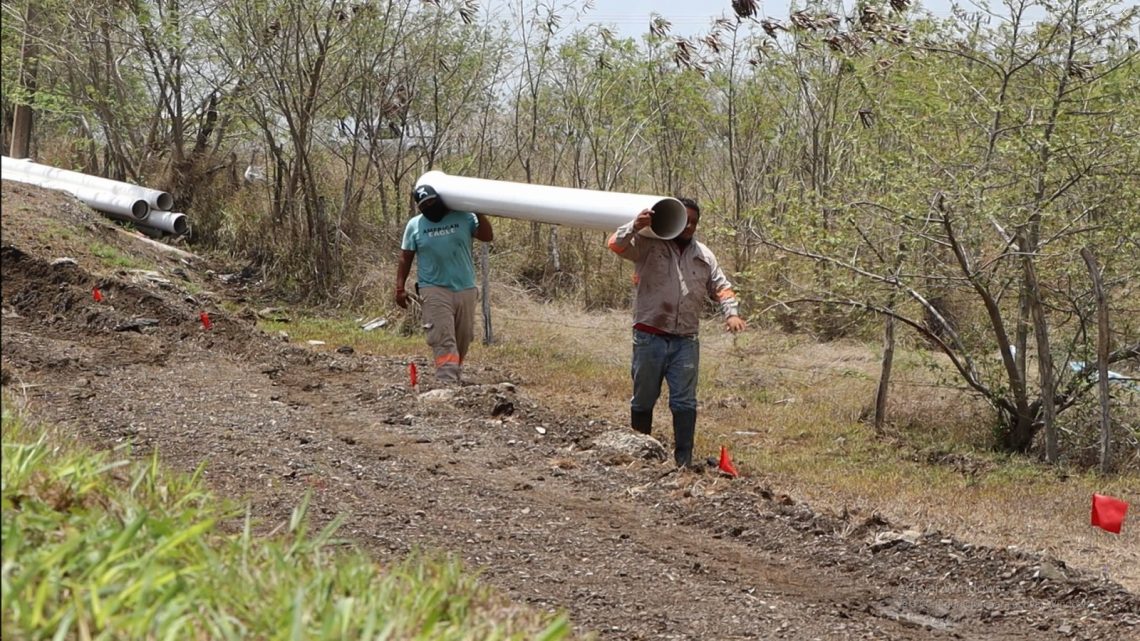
<point>735,324</point>
<point>643,220</point>
<point>402,298</point>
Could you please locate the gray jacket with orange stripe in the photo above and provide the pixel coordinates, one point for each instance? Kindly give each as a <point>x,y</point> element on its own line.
<point>672,283</point>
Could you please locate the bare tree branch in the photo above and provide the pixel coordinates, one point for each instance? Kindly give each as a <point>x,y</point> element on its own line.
<point>955,357</point>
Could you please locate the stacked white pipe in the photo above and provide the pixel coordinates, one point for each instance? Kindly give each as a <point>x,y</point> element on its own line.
<point>116,199</point>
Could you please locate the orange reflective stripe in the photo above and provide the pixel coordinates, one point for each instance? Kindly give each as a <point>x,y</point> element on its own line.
<point>725,294</point>
<point>614,247</point>
<point>447,359</point>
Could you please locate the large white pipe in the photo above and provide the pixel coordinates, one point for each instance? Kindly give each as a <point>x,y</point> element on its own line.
<point>604,210</point>
<point>168,221</point>
<point>156,199</point>
<point>121,206</point>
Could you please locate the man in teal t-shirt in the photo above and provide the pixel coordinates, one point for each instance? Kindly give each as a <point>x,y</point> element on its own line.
<point>440,241</point>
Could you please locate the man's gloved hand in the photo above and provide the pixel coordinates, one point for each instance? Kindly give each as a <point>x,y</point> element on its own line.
<point>401,297</point>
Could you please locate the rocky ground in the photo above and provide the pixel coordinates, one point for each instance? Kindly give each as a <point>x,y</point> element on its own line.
<point>559,511</point>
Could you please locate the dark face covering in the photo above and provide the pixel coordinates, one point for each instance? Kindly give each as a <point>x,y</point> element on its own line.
<point>434,210</point>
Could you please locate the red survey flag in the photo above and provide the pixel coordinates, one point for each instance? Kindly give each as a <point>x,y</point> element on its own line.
<point>725,464</point>
<point>412,373</point>
<point>1108,512</point>
<point>205,318</point>
<point>96,294</point>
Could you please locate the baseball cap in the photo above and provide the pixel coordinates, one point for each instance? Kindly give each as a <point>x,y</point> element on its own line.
<point>424,193</point>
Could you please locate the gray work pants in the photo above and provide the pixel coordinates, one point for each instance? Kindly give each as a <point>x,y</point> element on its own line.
<point>449,320</point>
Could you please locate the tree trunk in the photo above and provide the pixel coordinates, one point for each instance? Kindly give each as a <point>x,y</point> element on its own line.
<point>1020,417</point>
<point>22,118</point>
<point>1024,319</point>
<point>1044,360</point>
<point>885,373</point>
<point>1102,348</point>
<point>1020,431</point>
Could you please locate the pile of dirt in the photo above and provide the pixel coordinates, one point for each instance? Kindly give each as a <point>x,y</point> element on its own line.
<point>631,548</point>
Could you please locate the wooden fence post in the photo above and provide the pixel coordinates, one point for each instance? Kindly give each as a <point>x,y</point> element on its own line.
<point>485,264</point>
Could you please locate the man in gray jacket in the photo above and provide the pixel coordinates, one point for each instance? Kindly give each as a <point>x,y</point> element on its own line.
<point>674,278</point>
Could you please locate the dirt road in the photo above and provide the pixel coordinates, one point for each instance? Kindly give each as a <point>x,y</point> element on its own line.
<point>628,547</point>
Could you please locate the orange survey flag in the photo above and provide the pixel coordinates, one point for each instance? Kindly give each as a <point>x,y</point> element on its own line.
<point>725,464</point>
<point>1108,512</point>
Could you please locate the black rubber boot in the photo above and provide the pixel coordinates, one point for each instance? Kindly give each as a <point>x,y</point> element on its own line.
<point>641,421</point>
<point>684,429</point>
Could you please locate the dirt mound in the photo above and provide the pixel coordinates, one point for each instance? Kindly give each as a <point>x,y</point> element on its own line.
<point>631,548</point>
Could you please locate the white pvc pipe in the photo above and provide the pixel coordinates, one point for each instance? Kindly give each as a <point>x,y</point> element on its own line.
<point>155,199</point>
<point>121,206</point>
<point>168,221</point>
<point>604,210</point>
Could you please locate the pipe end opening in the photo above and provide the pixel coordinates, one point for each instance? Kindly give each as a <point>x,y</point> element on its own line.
<point>180,226</point>
<point>140,209</point>
<point>164,201</point>
<point>669,218</point>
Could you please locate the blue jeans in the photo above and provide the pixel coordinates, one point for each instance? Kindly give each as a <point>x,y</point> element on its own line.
<point>674,359</point>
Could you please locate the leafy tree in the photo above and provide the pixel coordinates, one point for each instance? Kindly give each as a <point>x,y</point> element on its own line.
<point>1000,204</point>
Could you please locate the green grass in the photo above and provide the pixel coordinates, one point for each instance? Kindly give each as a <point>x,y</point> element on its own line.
<point>55,229</point>
<point>96,546</point>
<point>115,258</point>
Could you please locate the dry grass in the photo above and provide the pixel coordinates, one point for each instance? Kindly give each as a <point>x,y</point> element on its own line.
<point>789,411</point>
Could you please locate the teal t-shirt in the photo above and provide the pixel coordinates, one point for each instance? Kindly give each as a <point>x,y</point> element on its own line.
<point>443,250</point>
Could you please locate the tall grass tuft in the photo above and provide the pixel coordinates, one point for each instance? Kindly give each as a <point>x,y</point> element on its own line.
<point>96,546</point>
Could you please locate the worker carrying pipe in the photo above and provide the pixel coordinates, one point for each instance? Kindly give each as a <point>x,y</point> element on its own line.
<point>439,239</point>
<point>452,212</point>
<point>674,279</point>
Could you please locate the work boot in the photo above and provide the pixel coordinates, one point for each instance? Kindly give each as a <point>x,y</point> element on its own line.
<point>448,374</point>
<point>684,429</point>
<point>641,421</point>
